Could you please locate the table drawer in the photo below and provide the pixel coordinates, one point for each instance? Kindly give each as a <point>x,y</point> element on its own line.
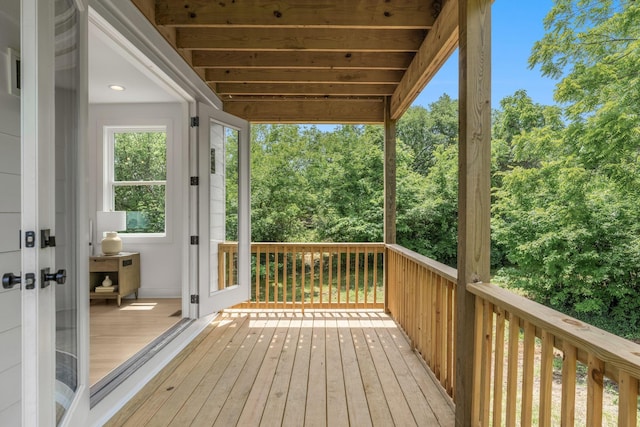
<point>101,264</point>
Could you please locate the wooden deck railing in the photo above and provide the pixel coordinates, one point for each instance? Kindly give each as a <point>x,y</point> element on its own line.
<point>421,298</point>
<point>542,358</point>
<point>309,275</point>
<point>532,364</point>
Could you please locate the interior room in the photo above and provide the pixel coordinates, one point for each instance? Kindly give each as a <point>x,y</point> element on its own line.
<point>136,294</point>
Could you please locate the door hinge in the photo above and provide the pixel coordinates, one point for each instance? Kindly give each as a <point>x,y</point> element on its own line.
<point>195,122</point>
<point>195,299</point>
<point>195,240</point>
<point>195,180</point>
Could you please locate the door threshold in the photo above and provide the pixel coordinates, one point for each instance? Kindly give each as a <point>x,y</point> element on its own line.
<point>113,379</point>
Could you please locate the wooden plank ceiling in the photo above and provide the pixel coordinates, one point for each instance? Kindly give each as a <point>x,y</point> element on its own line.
<point>310,61</point>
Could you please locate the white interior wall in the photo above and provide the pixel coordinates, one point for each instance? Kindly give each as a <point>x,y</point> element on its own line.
<point>161,259</point>
<point>10,305</point>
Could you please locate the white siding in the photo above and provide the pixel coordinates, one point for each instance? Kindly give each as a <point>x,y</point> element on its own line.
<point>10,330</point>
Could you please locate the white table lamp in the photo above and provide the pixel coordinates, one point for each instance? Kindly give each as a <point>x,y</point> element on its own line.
<point>111,223</point>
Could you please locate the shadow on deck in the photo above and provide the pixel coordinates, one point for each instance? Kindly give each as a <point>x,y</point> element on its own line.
<point>252,368</point>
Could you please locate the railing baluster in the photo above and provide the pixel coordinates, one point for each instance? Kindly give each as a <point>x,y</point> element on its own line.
<point>450,338</point>
<point>258,265</point>
<point>276,279</point>
<point>285,258</point>
<point>498,368</point>
<point>375,276</point>
<point>595,379</point>
<point>330,298</point>
<point>347,276</point>
<point>546,379</point>
<point>312,279</point>
<point>527,374</point>
<point>366,277</point>
<point>478,371</point>
<point>512,372</point>
<point>628,402</point>
<point>321,276</point>
<point>568,405</point>
<point>267,277</point>
<point>303,276</point>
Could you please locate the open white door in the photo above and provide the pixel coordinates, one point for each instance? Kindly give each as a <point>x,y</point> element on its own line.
<point>224,208</point>
<point>52,91</point>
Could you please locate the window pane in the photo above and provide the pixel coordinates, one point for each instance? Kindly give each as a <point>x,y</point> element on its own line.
<point>144,205</point>
<point>140,156</point>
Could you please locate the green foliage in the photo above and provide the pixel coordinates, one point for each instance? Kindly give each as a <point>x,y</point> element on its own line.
<point>423,130</point>
<point>566,201</point>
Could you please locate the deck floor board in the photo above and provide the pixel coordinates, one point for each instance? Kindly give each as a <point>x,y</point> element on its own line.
<point>293,369</point>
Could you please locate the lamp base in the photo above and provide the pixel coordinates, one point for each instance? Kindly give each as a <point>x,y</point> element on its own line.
<point>111,244</point>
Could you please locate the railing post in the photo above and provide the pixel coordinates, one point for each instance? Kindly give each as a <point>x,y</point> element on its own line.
<point>389,191</point>
<point>474,167</point>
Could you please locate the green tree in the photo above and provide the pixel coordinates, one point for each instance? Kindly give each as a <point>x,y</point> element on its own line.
<point>422,130</point>
<point>565,210</point>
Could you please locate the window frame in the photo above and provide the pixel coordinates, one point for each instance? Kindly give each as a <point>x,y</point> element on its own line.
<point>109,183</point>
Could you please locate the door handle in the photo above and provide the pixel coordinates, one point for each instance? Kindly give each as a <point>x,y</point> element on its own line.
<point>9,280</point>
<point>60,277</point>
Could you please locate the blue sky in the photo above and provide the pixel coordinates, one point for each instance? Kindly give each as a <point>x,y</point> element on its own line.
<point>516,25</point>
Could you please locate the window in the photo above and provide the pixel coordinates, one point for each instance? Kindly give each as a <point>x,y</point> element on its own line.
<point>137,176</point>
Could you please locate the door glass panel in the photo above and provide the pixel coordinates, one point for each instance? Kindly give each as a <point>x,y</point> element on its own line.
<point>223,212</point>
<point>67,77</point>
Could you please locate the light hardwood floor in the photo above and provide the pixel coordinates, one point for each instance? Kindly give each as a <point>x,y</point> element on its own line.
<point>292,369</point>
<point>117,333</point>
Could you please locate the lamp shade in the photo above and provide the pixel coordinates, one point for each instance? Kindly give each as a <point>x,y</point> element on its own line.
<point>111,221</point>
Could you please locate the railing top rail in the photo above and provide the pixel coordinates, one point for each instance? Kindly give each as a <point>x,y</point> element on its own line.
<point>611,349</point>
<point>303,245</point>
<point>444,270</point>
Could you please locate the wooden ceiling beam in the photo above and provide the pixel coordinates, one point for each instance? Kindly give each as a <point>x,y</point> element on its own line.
<point>301,59</point>
<point>319,13</point>
<point>438,46</point>
<point>147,7</point>
<point>313,89</point>
<point>243,75</point>
<point>283,110</point>
<point>294,39</point>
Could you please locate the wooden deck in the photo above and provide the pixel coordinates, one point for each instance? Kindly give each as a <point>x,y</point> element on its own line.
<point>251,368</point>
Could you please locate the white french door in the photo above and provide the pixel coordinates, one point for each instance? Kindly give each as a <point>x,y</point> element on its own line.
<point>53,84</point>
<point>224,208</point>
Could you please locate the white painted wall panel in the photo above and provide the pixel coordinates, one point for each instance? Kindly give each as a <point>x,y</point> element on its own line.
<point>9,110</point>
<point>12,415</point>
<point>9,261</point>
<point>9,309</point>
<point>9,397</point>
<point>9,153</point>
<point>10,192</point>
<point>9,232</point>
<point>10,354</point>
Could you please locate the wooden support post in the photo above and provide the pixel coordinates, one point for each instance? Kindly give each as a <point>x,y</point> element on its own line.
<point>389,175</point>
<point>389,191</point>
<point>474,169</point>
